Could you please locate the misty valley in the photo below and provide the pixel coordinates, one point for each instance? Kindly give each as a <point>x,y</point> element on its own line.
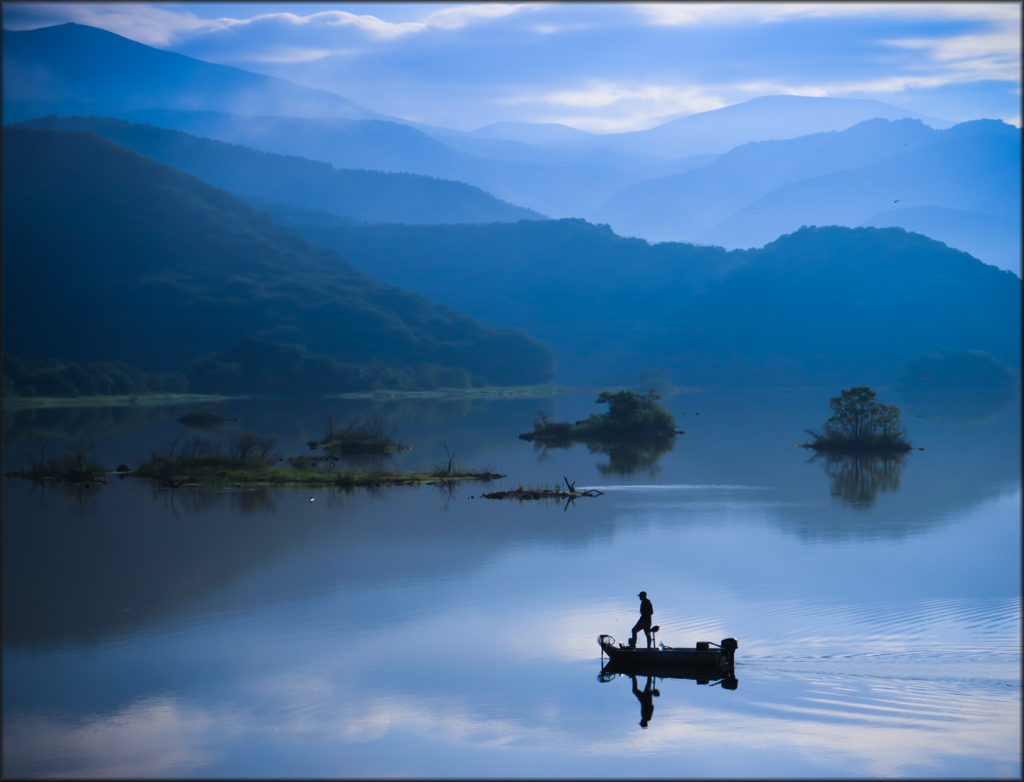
<point>333,439</point>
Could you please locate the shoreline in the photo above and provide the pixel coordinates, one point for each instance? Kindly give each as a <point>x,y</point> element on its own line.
<point>272,478</point>
<point>169,400</point>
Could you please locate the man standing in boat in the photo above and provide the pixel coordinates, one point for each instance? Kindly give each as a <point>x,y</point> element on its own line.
<point>646,612</point>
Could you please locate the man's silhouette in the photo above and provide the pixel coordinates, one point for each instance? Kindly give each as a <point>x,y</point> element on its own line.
<point>646,612</point>
<point>646,698</point>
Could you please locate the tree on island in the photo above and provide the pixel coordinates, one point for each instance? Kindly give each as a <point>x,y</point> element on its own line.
<point>860,423</point>
<point>631,416</point>
<point>629,410</point>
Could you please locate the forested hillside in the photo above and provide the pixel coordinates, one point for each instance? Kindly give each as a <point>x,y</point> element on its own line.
<point>109,256</point>
<point>827,305</point>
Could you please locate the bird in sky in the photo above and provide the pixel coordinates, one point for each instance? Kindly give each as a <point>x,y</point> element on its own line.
<point>896,201</point>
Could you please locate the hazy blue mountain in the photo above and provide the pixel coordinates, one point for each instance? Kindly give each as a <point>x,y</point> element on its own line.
<point>771,117</point>
<point>682,206</point>
<point>828,305</point>
<point>972,167</point>
<point>372,196</point>
<point>995,240</point>
<point>110,256</point>
<point>75,69</point>
<point>635,166</point>
<point>542,133</point>
<point>759,191</point>
<point>379,145</point>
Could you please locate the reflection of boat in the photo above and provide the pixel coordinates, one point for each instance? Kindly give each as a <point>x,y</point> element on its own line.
<point>667,661</point>
<point>702,674</point>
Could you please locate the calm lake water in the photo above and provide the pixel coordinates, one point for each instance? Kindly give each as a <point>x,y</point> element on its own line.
<point>412,632</point>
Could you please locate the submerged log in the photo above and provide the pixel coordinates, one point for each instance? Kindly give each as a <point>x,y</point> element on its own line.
<point>540,494</point>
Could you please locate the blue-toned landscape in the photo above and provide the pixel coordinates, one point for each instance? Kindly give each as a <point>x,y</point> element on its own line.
<point>363,361</point>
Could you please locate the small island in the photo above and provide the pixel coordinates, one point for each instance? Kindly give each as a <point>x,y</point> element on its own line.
<point>860,425</point>
<point>248,459</point>
<point>76,466</point>
<point>631,416</point>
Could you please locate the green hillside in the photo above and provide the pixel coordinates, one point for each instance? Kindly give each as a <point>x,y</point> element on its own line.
<point>110,256</point>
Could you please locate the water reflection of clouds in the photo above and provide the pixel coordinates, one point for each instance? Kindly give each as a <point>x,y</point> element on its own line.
<point>153,737</point>
<point>465,674</point>
<point>834,725</point>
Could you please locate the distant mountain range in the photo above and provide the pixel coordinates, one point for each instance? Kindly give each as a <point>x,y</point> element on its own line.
<point>550,188</point>
<point>554,170</point>
<point>767,118</point>
<point>370,196</point>
<point>110,256</point>
<point>758,191</point>
<point>822,305</point>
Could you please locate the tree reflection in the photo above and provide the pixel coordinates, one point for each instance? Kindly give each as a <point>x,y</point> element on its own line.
<point>196,501</point>
<point>624,458</point>
<point>629,458</point>
<point>858,479</point>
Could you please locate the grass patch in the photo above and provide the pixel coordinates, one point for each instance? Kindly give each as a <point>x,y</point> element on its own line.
<point>124,400</point>
<point>249,459</point>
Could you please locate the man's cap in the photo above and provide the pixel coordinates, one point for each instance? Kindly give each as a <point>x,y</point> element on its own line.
<point>642,594</point>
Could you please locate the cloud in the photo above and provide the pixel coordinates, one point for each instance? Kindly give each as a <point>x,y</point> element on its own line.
<point>688,14</point>
<point>598,67</point>
<point>960,59</point>
<point>462,15</point>
<point>637,105</point>
<point>994,55</point>
<point>328,22</point>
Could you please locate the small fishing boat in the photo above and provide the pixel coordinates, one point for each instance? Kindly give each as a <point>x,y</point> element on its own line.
<point>627,659</point>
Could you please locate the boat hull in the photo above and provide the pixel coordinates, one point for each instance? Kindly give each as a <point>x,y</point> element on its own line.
<point>667,657</point>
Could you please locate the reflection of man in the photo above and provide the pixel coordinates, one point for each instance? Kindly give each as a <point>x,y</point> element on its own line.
<point>646,699</point>
<point>646,612</point>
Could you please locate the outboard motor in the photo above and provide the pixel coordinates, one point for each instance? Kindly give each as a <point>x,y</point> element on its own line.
<point>729,646</point>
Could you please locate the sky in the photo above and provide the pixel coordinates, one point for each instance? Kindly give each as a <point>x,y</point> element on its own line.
<point>599,67</point>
